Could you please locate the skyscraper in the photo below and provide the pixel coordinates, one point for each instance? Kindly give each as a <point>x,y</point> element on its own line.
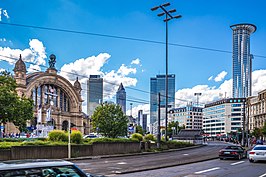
<point>158,86</point>
<point>121,98</point>
<point>242,59</point>
<point>94,93</point>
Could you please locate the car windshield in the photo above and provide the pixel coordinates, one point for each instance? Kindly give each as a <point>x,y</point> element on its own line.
<point>60,171</point>
<point>233,147</point>
<point>259,148</point>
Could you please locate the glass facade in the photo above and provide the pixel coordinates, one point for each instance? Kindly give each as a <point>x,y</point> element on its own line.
<point>94,93</point>
<point>242,60</point>
<point>158,86</point>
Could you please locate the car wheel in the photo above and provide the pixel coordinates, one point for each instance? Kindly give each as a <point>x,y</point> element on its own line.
<point>251,160</point>
<point>239,157</point>
<point>221,158</point>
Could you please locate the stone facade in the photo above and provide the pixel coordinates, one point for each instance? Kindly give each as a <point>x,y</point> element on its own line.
<point>256,110</point>
<point>50,91</point>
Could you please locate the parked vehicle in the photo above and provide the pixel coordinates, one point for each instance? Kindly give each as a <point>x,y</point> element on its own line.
<point>257,153</point>
<point>40,168</point>
<point>232,152</point>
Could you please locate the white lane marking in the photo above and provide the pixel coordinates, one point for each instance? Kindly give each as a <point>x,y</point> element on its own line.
<point>211,169</point>
<point>263,175</point>
<point>237,163</point>
<point>185,154</point>
<point>121,163</point>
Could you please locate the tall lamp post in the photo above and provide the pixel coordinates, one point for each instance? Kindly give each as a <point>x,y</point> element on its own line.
<point>168,17</point>
<point>197,95</point>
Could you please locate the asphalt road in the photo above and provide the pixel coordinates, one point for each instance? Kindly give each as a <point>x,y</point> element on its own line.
<point>211,168</point>
<point>128,164</point>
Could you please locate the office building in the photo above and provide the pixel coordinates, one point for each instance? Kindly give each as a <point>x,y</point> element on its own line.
<point>157,85</point>
<point>142,120</point>
<point>223,116</point>
<point>256,111</point>
<point>242,60</point>
<point>94,93</point>
<point>189,116</point>
<point>121,98</point>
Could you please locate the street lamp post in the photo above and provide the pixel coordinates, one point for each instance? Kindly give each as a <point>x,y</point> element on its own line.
<point>197,95</point>
<point>168,17</point>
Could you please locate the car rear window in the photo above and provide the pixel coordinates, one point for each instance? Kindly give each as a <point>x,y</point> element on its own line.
<point>61,171</point>
<point>259,148</point>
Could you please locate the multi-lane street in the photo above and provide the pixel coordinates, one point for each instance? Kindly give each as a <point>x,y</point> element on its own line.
<point>126,164</point>
<point>211,168</point>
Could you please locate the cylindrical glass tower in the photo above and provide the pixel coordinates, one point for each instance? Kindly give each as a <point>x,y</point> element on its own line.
<point>242,59</point>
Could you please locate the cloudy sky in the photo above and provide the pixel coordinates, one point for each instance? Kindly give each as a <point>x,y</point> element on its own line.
<point>124,42</point>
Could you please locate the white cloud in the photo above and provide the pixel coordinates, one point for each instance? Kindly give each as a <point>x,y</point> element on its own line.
<point>124,70</point>
<point>1,69</point>
<point>220,76</point>
<point>210,78</point>
<point>93,66</point>
<point>258,81</point>
<point>135,62</point>
<point>34,54</point>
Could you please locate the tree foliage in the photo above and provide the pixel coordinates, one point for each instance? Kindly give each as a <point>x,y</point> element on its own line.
<point>109,120</point>
<point>257,132</point>
<point>139,130</point>
<point>263,130</point>
<point>12,107</point>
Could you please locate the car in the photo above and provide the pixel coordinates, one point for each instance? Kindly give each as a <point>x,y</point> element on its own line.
<point>90,136</point>
<point>232,152</point>
<point>40,168</point>
<point>257,153</point>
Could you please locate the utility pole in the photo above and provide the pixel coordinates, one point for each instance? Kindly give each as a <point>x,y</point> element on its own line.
<point>159,122</point>
<point>168,17</point>
<point>244,123</point>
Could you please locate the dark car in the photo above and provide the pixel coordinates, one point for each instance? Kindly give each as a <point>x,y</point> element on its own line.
<point>232,152</point>
<point>40,168</point>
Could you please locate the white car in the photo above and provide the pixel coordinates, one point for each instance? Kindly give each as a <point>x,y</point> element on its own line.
<point>41,168</point>
<point>257,153</point>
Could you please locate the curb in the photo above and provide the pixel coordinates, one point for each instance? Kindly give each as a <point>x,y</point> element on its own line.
<point>131,154</point>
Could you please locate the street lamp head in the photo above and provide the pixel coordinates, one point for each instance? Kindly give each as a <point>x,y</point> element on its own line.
<point>172,11</point>
<point>167,19</point>
<point>154,8</point>
<point>166,4</point>
<point>160,14</point>
<point>178,16</point>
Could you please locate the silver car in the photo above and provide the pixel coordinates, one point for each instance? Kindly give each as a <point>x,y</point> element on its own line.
<point>257,153</point>
<point>40,168</point>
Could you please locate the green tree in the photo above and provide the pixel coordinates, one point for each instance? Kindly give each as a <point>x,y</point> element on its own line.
<point>13,108</point>
<point>263,130</point>
<point>109,120</point>
<point>257,132</point>
<point>139,130</point>
<point>173,127</point>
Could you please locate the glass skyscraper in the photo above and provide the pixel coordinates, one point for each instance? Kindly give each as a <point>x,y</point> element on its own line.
<point>242,60</point>
<point>121,98</point>
<point>94,93</point>
<point>158,86</point>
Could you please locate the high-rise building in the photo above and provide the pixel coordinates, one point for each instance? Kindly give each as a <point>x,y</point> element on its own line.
<point>94,93</point>
<point>157,85</point>
<point>142,120</point>
<point>121,98</point>
<point>242,60</point>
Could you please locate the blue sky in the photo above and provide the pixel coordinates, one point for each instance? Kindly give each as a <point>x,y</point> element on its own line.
<point>205,23</point>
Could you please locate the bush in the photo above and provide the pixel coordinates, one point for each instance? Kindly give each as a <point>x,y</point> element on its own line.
<point>57,135</point>
<point>137,136</point>
<point>149,137</point>
<point>76,137</point>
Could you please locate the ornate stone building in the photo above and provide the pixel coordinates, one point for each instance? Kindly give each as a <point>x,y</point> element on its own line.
<point>56,100</point>
<point>256,110</point>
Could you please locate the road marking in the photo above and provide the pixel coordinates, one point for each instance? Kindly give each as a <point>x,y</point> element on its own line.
<point>185,154</point>
<point>237,163</point>
<point>211,169</point>
<point>263,175</point>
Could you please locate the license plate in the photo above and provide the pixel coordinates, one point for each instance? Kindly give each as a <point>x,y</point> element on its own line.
<point>226,152</point>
